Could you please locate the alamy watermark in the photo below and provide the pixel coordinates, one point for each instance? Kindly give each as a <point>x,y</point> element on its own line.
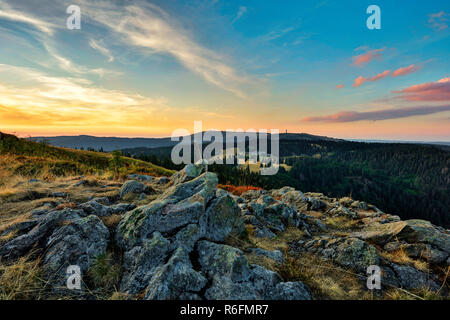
<point>74,277</point>
<point>374,20</point>
<point>235,151</point>
<point>74,20</point>
<point>374,277</point>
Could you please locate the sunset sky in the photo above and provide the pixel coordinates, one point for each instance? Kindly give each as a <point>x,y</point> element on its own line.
<point>146,68</point>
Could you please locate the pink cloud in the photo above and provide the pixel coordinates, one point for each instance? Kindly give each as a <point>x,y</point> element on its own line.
<point>431,91</point>
<point>360,80</point>
<point>365,58</point>
<point>406,70</point>
<point>377,115</point>
<point>339,86</point>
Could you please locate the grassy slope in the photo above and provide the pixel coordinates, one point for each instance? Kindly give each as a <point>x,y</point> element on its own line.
<point>32,159</point>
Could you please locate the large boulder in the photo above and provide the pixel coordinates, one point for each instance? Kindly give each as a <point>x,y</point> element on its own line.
<point>175,279</point>
<point>161,216</point>
<point>202,188</point>
<point>411,279</point>
<point>189,172</point>
<point>77,243</point>
<point>21,245</point>
<point>411,231</point>
<point>219,260</point>
<point>140,262</point>
<point>223,217</point>
<point>231,277</point>
<point>347,252</point>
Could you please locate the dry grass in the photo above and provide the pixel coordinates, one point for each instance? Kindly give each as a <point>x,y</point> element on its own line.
<point>326,280</point>
<point>399,256</point>
<point>422,294</point>
<point>341,223</point>
<point>119,296</point>
<point>111,221</point>
<point>8,223</point>
<point>281,241</point>
<point>21,280</point>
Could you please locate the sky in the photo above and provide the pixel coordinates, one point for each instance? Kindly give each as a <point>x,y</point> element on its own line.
<point>147,68</point>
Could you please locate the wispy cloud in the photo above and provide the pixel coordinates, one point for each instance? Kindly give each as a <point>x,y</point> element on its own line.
<point>431,91</point>
<point>6,12</point>
<point>438,21</point>
<point>363,59</point>
<point>277,34</point>
<point>340,86</point>
<point>242,10</point>
<point>102,49</point>
<point>385,114</point>
<point>361,80</point>
<point>151,29</point>
<point>73,68</point>
<point>406,70</point>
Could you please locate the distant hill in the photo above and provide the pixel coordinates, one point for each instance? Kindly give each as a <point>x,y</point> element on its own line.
<point>115,143</point>
<point>106,143</point>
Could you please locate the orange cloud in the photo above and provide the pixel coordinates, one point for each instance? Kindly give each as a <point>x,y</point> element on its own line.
<point>406,70</point>
<point>431,91</point>
<point>365,58</point>
<point>360,80</point>
<point>339,86</point>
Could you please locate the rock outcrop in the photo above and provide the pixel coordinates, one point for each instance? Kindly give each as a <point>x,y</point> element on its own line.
<point>178,245</point>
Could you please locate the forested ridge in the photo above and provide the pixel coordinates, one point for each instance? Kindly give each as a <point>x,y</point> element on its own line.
<point>410,180</point>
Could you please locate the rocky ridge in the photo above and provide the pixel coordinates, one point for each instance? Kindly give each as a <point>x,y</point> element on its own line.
<point>178,245</point>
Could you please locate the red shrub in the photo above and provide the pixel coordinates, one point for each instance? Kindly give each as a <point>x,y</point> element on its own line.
<point>237,190</point>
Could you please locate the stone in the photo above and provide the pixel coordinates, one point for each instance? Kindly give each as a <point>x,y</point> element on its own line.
<point>141,177</point>
<point>412,279</point>
<point>175,278</point>
<point>219,260</point>
<point>77,243</point>
<point>202,188</point>
<point>59,194</point>
<point>276,255</point>
<point>223,217</point>
<point>21,245</point>
<point>411,231</point>
<point>121,208</point>
<point>140,262</point>
<point>264,232</point>
<point>160,216</point>
<point>273,219</point>
<point>291,291</point>
<point>424,232</point>
<point>132,186</point>
<point>96,208</point>
<point>316,204</point>
<point>187,237</point>
<point>103,200</point>
<point>347,252</point>
<point>163,180</point>
<point>381,233</point>
<point>357,254</point>
<point>188,173</point>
